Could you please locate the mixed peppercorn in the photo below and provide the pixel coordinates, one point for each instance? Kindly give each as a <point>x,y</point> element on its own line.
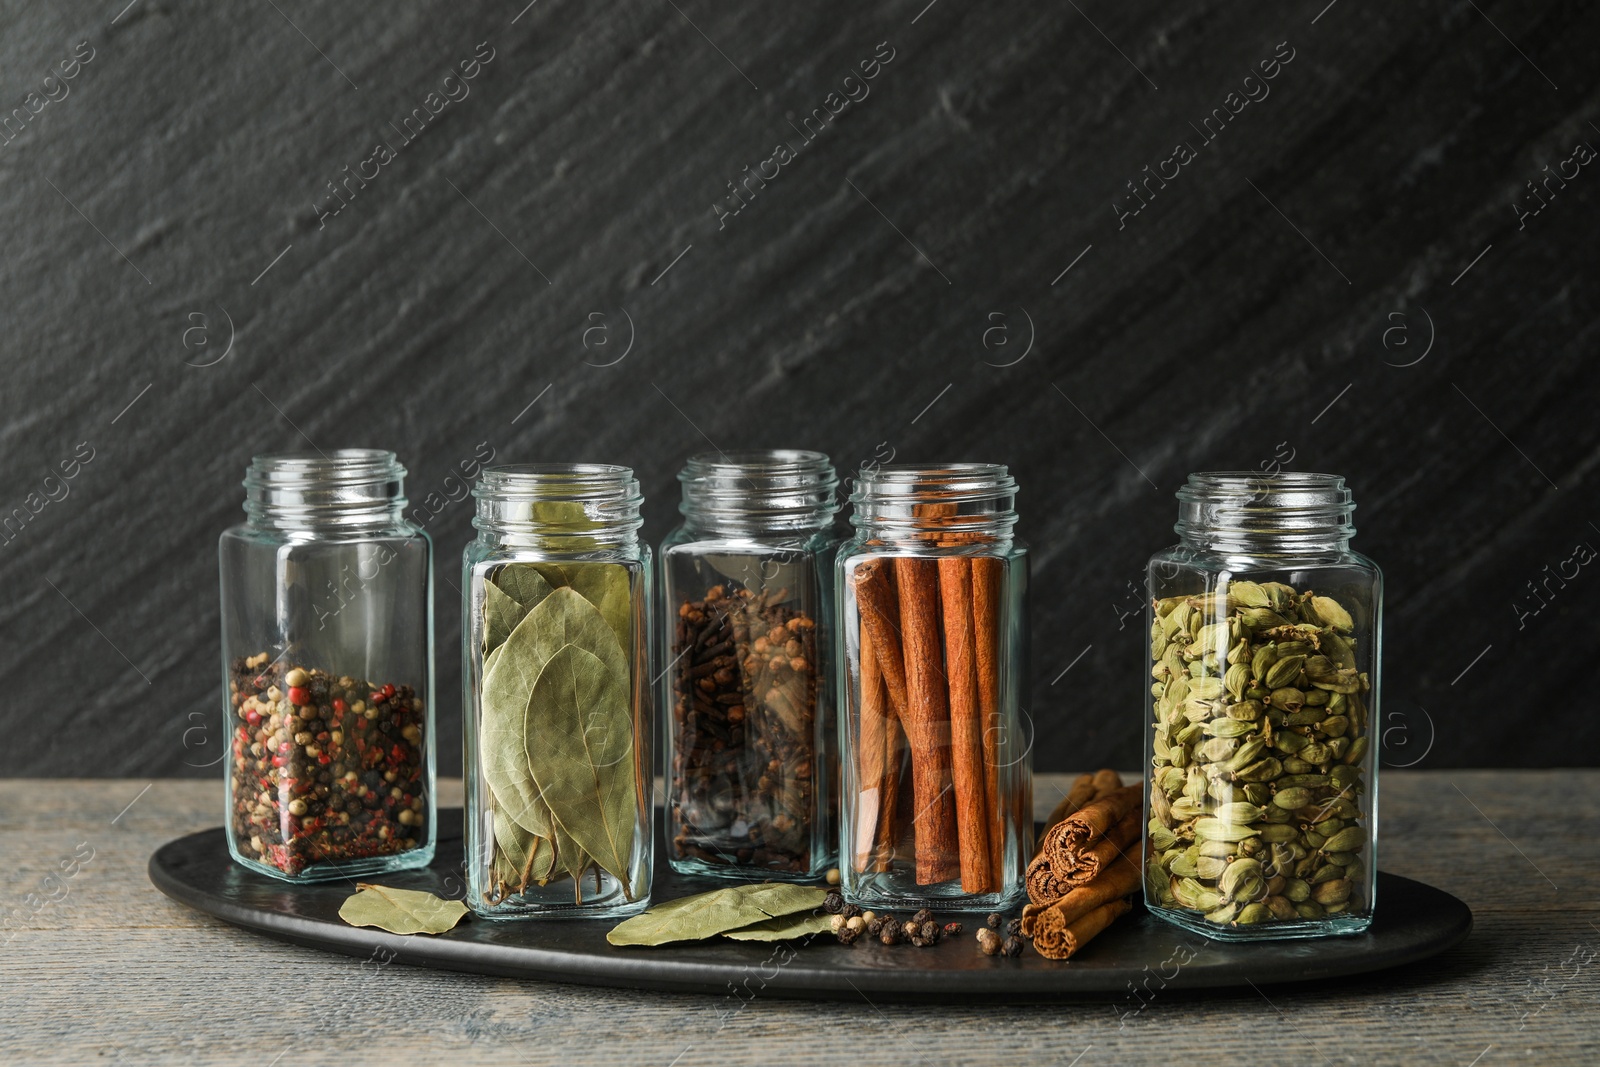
<point>851,923</point>
<point>326,768</point>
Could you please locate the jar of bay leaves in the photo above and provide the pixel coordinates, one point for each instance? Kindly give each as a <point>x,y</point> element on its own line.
<point>327,657</point>
<point>932,644</point>
<point>557,720</point>
<point>747,595</point>
<point>1264,632</point>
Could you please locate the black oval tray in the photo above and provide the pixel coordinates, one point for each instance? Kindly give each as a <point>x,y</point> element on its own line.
<point>1414,921</point>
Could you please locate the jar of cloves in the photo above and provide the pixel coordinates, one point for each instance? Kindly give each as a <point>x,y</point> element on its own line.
<point>747,598</point>
<point>937,778</point>
<point>327,656</point>
<point>556,702</point>
<point>1264,632</point>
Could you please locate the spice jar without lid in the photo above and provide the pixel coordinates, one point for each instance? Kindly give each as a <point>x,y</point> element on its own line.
<point>747,594</point>
<point>327,648</point>
<point>556,593</point>
<point>935,759</point>
<point>1264,635</point>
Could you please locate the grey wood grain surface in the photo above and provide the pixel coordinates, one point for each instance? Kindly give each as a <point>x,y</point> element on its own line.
<point>113,972</point>
<point>1341,279</point>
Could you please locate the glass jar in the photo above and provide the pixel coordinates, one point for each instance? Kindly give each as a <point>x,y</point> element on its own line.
<point>1261,794</point>
<point>747,594</point>
<point>327,655</point>
<point>556,593</point>
<point>937,779</point>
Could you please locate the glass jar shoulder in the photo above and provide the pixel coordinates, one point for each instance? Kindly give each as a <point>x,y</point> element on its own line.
<point>245,534</point>
<point>858,548</point>
<point>689,540</point>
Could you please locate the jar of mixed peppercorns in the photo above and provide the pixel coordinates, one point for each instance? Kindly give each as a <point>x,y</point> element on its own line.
<point>327,655</point>
<point>747,591</point>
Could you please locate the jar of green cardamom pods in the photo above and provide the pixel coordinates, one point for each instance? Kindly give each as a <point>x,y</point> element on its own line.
<point>1261,790</point>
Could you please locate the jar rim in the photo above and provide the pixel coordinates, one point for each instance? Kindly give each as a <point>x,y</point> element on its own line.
<point>1290,507</point>
<point>337,488</point>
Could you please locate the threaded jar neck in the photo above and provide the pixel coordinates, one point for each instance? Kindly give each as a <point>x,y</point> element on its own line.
<point>561,507</point>
<point>951,502</point>
<point>1278,514</point>
<point>755,492</point>
<point>345,489</point>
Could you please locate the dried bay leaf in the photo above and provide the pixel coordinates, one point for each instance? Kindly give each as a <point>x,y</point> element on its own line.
<point>400,911</point>
<point>605,585</point>
<point>523,583</point>
<point>579,749</point>
<point>529,856</point>
<point>507,732</point>
<point>501,614</point>
<point>785,928</point>
<point>708,914</point>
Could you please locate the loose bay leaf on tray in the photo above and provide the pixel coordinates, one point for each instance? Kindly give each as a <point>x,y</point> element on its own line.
<point>509,730</point>
<point>579,747</point>
<point>784,928</point>
<point>400,911</point>
<point>708,914</point>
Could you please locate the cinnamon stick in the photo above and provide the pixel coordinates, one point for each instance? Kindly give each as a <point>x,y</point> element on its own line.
<point>879,610</point>
<point>1076,867</point>
<point>966,726</point>
<point>1106,780</point>
<point>926,719</point>
<point>1081,793</point>
<point>1065,943</point>
<point>894,745</point>
<point>871,751</point>
<point>986,574</point>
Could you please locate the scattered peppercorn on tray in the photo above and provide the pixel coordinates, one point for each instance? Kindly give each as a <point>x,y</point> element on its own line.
<point>1139,952</point>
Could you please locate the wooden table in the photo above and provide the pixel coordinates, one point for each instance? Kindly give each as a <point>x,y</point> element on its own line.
<point>112,972</point>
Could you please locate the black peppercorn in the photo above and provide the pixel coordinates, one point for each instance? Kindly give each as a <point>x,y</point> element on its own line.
<point>922,916</point>
<point>847,934</point>
<point>875,927</point>
<point>1012,947</point>
<point>889,933</point>
<point>850,911</point>
<point>833,903</point>
<point>994,920</point>
<point>1014,927</point>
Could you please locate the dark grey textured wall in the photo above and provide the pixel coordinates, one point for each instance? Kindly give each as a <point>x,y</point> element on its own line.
<point>1339,281</point>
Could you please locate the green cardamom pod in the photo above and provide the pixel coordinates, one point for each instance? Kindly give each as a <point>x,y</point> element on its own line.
<point>1277,832</point>
<point>1238,812</point>
<point>1228,727</point>
<point>1306,716</point>
<point>1183,867</point>
<point>1253,913</point>
<point>1219,749</point>
<point>1262,771</point>
<point>1208,829</point>
<point>1296,765</point>
<point>1284,672</point>
<point>1248,594</point>
<point>1294,797</point>
<point>1332,614</point>
<point>1281,908</point>
<point>1334,892</point>
<point>1349,839</point>
<point>1286,741</point>
<point>1205,688</point>
<point>1325,873</point>
<point>1297,890</point>
<point>1210,868</point>
<point>1246,710</point>
<point>1309,781</point>
<point>1248,753</point>
<point>1239,875</point>
<point>1338,746</point>
<point>1316,698</point>
<point>1222,915</point>
<point>1307,909</point>
<point>1287,698</point>
<point>1316,752</point>
<point>1160,837</point>
<point>1334,725</point>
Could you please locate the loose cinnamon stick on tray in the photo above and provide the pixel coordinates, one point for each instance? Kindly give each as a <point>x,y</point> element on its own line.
<point>986,574</point>
<point>1081,793</point>
<point>1074,867</point>
<point>1051,921</point>
<point>1105,781</point>
<point>927,721</point>
<point>1064,944</point>
<point>1050,875</point>
<point>966,726</point>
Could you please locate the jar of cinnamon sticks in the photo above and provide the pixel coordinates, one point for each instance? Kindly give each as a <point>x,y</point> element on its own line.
<point>1263,644</point>
<point>752,742</point>
<point>937,783</point>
